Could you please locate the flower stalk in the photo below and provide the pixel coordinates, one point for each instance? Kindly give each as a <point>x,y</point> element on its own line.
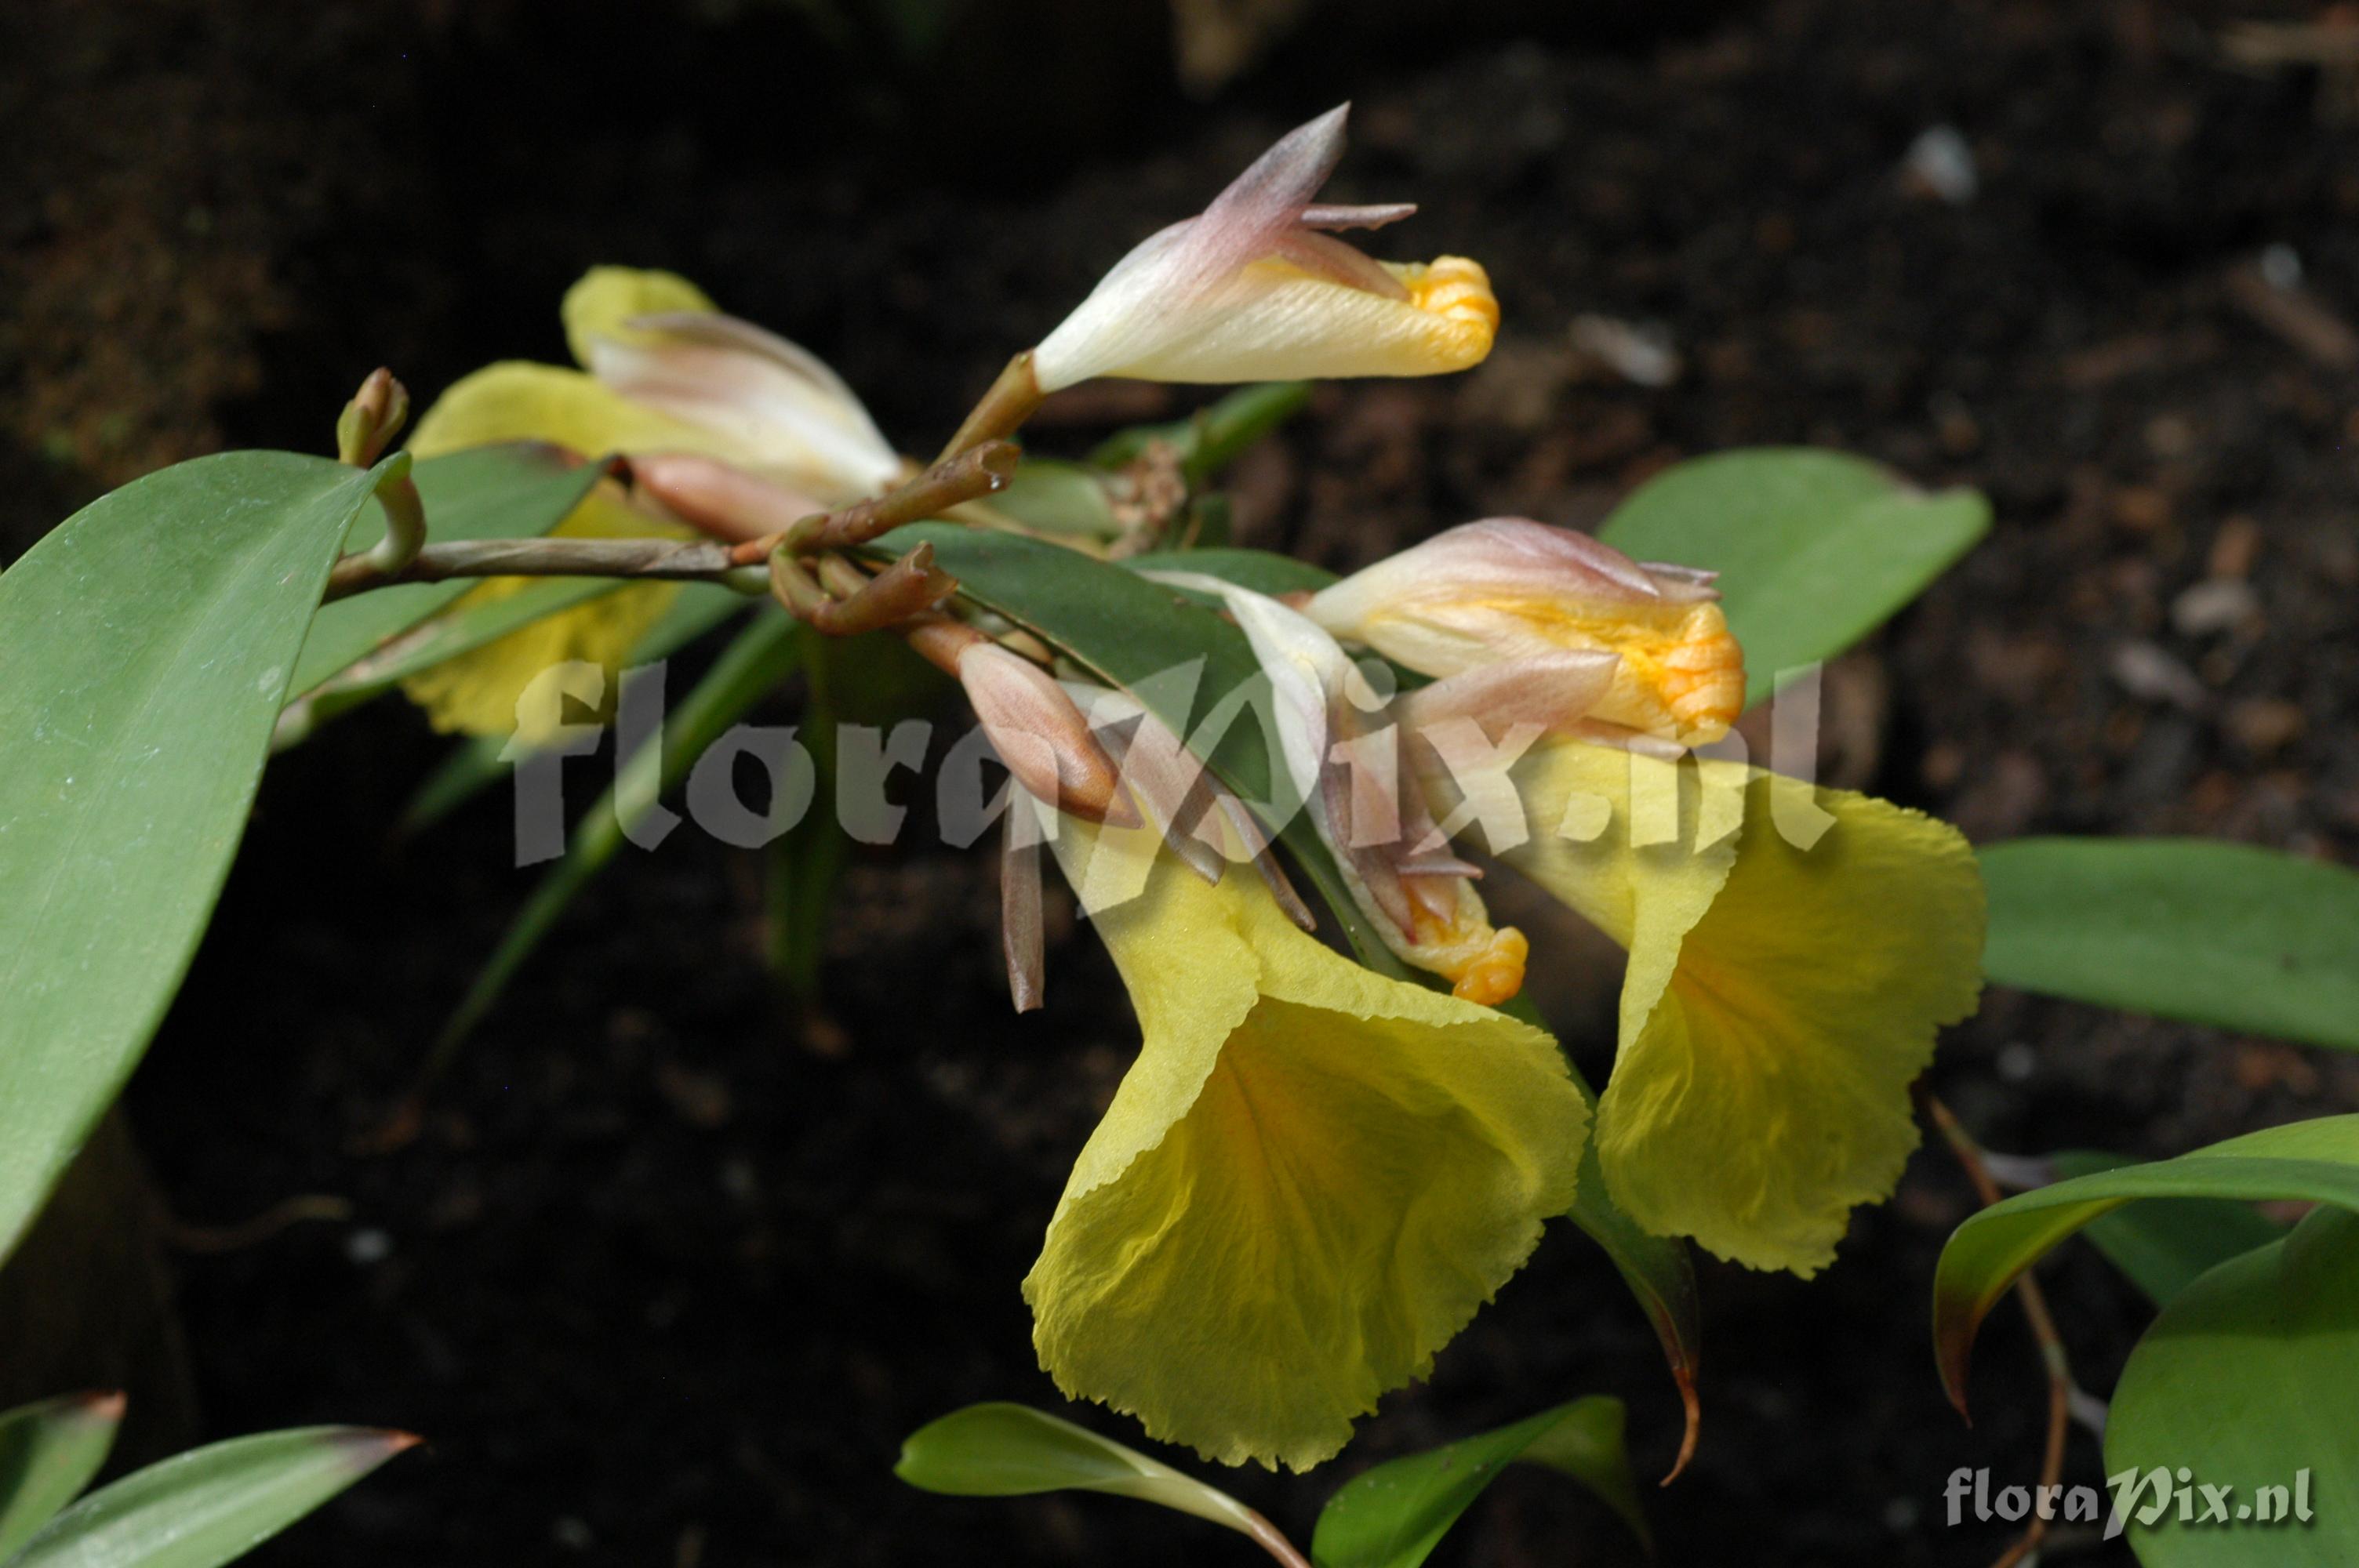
<point>665,561</point>
<point>1002,410</point>
<point>968,475</point>
<point>977,472</point>
<point>846,601</point>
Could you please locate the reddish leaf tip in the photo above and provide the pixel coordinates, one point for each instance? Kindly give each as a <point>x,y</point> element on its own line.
<point>1956,1324</point>
<point>106,1407</point>
<point>1695,1406</point>
<point>368,1447</point>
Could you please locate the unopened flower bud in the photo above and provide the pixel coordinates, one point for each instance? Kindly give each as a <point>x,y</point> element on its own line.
<point>1509,588</point>
<point>1255,288</point>
<point>371,420</point>
<point>1041,737</point>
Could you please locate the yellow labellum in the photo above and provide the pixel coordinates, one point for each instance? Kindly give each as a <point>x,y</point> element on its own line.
<point>1780,1000</point>
<point>517,400</point>
<point>604,298</point>
<point>1307,1182</point>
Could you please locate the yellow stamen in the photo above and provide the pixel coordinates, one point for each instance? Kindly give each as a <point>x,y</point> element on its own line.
<point>1682,671</point>
<point>1495,974</point>
<point>1451,287</point>
<point>1482,965</point>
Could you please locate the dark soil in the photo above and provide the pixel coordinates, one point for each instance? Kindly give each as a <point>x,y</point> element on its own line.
<point>673,1267</point>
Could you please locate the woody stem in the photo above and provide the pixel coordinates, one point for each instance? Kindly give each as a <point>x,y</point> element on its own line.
<point>671,561</point>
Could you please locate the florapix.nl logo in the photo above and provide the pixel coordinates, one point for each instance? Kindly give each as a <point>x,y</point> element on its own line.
<point>2152,1498</point>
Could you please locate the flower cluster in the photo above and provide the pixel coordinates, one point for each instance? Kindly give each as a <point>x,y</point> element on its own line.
<point>1317,1169</point>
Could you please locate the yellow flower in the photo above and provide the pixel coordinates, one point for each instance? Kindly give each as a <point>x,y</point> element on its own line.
<point>665,372</point>
<point>1779,997</point>
<point>1309,1181</point>
<point>1254,289</point>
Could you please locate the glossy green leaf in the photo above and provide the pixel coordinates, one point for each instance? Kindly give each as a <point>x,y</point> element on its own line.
<point>460,631</point>
<point>49,1452</point>
<point>2247,1382</point>
<point>1009,1451</point>
<point>478,762</point>
<point>213,1505</point>
<point>1172,649</point>
<point>1264,571</point>
<point>489,492</point>
<point>762,656</point>
<point>2221,933</point>
<point>2162,1244</point>
<point>147,644</point>
<point>1395,1515</point>
<point>2317,1160</point>
<point>1059,498</point>
<point>1215,436</point>
<point>1814,549</point>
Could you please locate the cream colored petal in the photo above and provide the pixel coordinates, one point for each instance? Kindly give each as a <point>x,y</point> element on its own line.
<point>1272,321</point>
<point>801,430</point>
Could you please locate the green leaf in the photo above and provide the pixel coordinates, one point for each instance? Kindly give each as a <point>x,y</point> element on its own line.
<point>2317,1160</point>
<point>1264,571</point>
<point>489,492</point>
<point>49,1451</point>
<point>1214,437</point>
<point>876,682</point>
<point>469,768</point>
<point>1395,1515</point>
<point>211,1506</point>
<point>2162,1244</point>
<point>761,656</point>
<point>481,761</point>
<point>1658,1270</point>
<point>801,866</point>
<point>696,608</point>
<point>460,631</point>
<point>1130,632</point>
<point>1011,1451</point>
<point>1814,549</point>
<point>1059,498</point>
<point>2247,1380</point>
<point>147,644</point>
<point>2221,934</point>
